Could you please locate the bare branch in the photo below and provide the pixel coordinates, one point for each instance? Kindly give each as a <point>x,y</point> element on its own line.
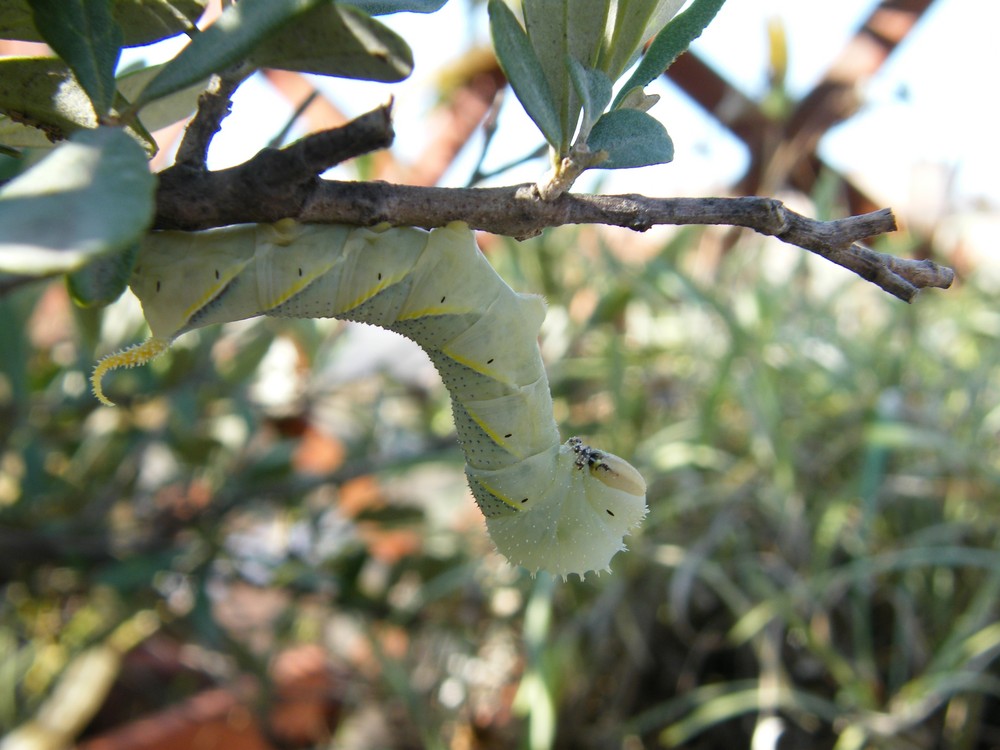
<point>274,184</point>
<point>213,107</point>
<point>518,212</point>
<point>280,183</point>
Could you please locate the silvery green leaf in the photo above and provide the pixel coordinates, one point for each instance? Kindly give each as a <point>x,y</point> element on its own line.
<point>631,139</point>
<point>585,24</point>
<point>91,195</point>
<point>102,280</point>
<point>336,40</point>
<point>665,11</point>
<point>384,7</point>
<point>594,90</point>
<point>166,111</point>
<point>524,71</point>
<point>674,39</point>
<point>147,21</point>
<point>142,21</point>
<point>226,42</point>
<point>637,98</point>
<point>15,135</point>
<point>545,25</point>
<point>42,92</point>
<point>87,37</point>
<point>562,29</point>
<point>630,20</point>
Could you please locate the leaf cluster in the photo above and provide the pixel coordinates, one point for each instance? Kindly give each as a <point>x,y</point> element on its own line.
<point>821,550</point>
<point>94,122</point>
<point>565,60</point>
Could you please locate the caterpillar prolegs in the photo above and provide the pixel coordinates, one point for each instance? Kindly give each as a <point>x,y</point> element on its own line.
<point>560,507</point>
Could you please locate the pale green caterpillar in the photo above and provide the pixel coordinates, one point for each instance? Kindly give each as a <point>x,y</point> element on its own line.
<point>564,508</point>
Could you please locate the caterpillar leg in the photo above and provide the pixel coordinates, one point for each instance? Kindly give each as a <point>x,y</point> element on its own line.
<point>134,356</point>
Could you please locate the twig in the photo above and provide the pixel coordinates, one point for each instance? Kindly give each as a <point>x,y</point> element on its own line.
<point>300,110</point>
<point>517,212</point>
<point>489,129</point>
<point>277,184</point>
<point>274,184</point>
<point>213,107</point>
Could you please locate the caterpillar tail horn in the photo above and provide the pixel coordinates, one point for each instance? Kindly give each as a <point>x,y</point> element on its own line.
<point>134,356</point>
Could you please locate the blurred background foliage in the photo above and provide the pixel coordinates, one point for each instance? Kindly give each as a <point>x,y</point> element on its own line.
<point>821,554</point>
<point>269,543</point>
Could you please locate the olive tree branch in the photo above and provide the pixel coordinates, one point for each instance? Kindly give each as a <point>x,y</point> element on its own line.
<point>280,183</point>
<point>518,212</point>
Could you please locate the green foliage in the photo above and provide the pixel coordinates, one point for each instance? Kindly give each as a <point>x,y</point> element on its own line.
<point>91,196</point>
<point>524,71</point>
<point>384,7</point>
<point>166,110</point>
<point>141,22</point>
<point>337,41</point>
<point>86,36</point>
<point>42,93</point>
<point>102,281</point>
<point>305,35</point>
<point>668,45</point>
<point>568,52</point>
<point>239,29</point>
<point>821,549</point>
<point>97,181</point>
<point>630,138</point>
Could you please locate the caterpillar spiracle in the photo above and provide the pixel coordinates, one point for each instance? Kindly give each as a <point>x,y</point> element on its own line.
<point>560,507</point>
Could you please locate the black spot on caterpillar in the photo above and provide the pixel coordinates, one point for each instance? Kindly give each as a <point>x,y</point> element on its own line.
<point>481,336</point>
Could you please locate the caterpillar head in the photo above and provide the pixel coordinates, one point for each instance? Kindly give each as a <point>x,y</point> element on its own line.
<point>566,510</point>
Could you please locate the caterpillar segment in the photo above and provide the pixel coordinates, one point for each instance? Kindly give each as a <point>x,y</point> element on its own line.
<point>563,507</point>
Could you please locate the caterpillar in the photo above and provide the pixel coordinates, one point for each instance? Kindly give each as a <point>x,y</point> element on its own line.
<point>560,507</point>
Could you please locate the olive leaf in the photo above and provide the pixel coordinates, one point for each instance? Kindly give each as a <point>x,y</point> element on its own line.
<point>141,21</point>
<point>227,41</point>
<point>384,7</point>
<point>524,71</point>
<point>631,139</point>
<point>672,40</point>
<point>336,40</point>
<point>86,36</point>
<point>594,90</point>
<point>98,185</point>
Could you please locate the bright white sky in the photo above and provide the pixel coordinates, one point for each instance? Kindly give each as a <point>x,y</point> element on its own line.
<point>932,104</point>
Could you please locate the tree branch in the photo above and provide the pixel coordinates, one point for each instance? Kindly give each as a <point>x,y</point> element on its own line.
<point>280,183</point>
<point>274,184</point>
<point>213,107</point>
<point>518,212</point>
